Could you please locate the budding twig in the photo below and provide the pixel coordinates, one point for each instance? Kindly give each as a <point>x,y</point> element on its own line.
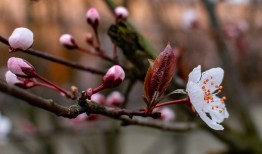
<point>75,110</point>
<point>55,59</point>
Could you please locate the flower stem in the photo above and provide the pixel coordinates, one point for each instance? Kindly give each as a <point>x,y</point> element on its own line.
<point>67,94</point>
<point>100,54</point>
<point>45,85</point>
<point>180,101</point>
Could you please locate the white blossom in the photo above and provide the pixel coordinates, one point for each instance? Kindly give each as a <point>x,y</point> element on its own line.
<point>202,90</point>
<point>5,128</point>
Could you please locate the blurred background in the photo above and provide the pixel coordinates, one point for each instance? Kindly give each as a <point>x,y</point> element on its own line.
<point>176,21</point>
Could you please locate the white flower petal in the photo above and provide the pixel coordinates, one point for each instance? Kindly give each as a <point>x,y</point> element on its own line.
<point>210,122</point>
<point>196,95</point>
<point>212,78</point>
<point>195,75</point>
<point>216,109</point>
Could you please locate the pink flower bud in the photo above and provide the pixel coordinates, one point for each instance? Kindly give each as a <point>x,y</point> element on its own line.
<point>167,114</point>
<point>115,99</point>
<point>68,41</point>
<point>189,19</point>
<point>12,79</point>
<point>93,17</point>
<point>121,12</point>
<point>98,98</point>
<point>21,67</point>
<point>21,38</point>
<point>114,76</point>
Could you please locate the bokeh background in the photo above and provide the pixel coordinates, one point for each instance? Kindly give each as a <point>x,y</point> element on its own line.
<point>176,21</point>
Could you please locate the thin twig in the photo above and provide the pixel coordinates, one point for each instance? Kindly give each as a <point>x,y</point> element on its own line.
<point>55,59</point>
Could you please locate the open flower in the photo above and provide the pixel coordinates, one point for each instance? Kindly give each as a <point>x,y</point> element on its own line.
<point>202,90</point>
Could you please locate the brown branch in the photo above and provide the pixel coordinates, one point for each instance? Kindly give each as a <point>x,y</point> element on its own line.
<point>55,59</point>
<point>92,108</point>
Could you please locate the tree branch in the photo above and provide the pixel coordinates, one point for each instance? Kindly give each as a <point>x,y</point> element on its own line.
<point>92,108</point>
<point>55,59</point>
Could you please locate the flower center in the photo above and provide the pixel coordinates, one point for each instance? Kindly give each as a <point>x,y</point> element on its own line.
<point>209,97</point>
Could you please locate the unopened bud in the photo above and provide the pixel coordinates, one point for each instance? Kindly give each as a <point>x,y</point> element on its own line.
<point>93,17</point>
<point>121,12</point>
<point>114,77</point>
<point>21,67</point>
<point>89,39</point>
<point>189,19</point>
<point>98,98</point>
<point>68,41</point>
<point>167,114</point>
<point>12,79</point>
<point>21,38</point>
<point>115,99</point>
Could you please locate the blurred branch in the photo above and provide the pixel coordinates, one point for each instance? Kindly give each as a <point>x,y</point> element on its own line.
<point>236,91</point>
<point>92,108</point>
<point>127,92</point>
<point>56,59</point>
<point>234,84</point>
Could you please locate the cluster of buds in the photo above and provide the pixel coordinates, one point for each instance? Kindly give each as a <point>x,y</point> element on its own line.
<point>21,73</point>
<point>114,99</point>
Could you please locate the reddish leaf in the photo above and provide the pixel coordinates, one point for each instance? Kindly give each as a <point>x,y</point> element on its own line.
<point>159,74</point>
